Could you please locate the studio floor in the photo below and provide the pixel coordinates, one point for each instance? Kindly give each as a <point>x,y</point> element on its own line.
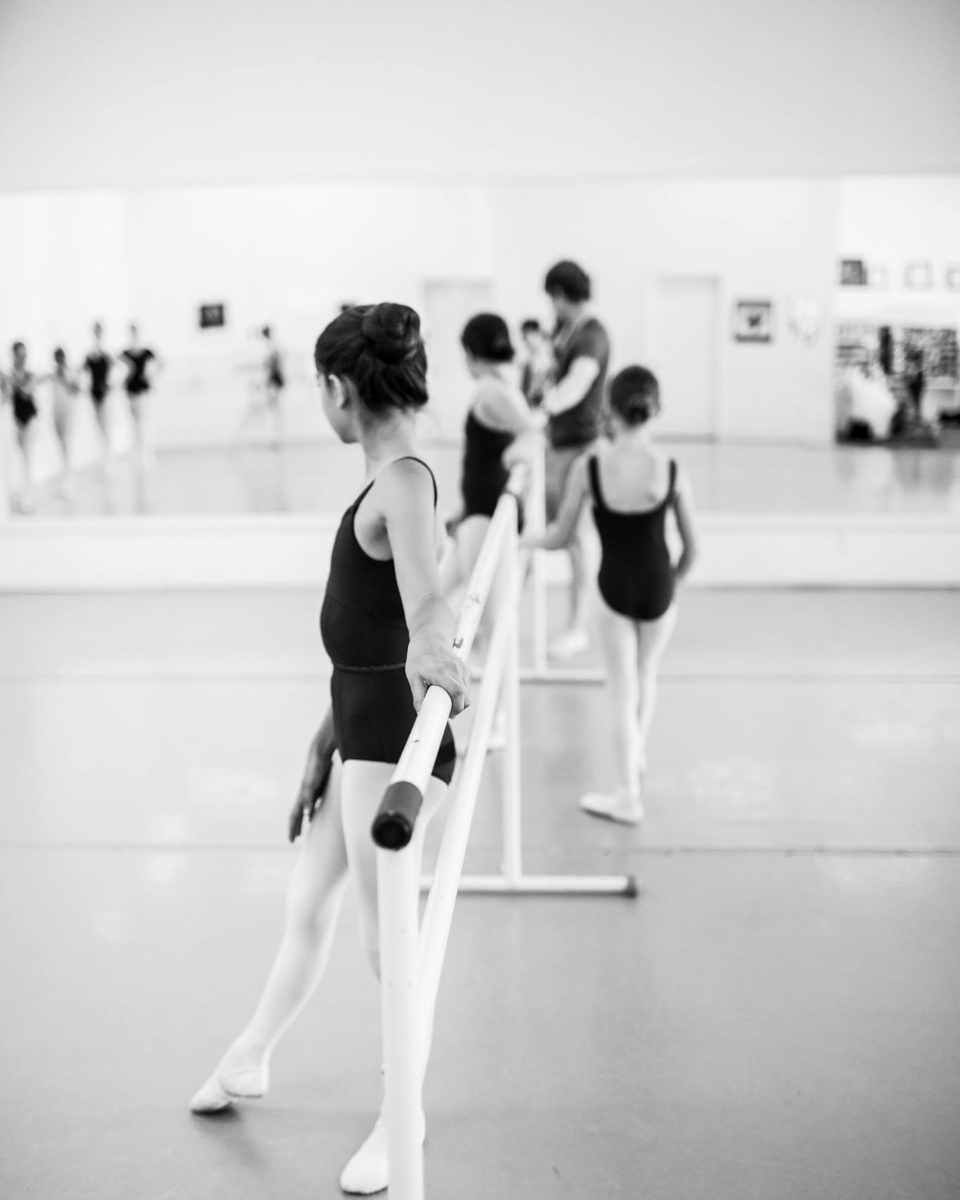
<point>776,1016</point>
<point>726,478</point>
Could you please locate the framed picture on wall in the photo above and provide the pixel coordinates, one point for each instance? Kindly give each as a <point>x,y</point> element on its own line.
<point>212,316</point>
<point>753,321</point>
<point>853,272</point>
<point>919,276</point>
<point>953,277</point>
<point>879,277</point>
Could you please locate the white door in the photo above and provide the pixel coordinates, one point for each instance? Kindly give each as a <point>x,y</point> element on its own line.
<point>447,306</point>
<point>686,342</point>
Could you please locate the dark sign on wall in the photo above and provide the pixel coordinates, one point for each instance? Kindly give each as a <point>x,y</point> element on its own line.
<point>753,321</point>
<point>853,272</point>
<point>212,316</point>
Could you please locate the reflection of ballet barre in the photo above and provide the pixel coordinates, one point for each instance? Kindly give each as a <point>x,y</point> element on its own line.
<point>411,956</point>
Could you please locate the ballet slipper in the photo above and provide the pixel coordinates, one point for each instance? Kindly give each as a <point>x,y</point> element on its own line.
<point>223,1087</point>
<point>624,809</point>
<point>366,1173</point>
<point>210,1098</point>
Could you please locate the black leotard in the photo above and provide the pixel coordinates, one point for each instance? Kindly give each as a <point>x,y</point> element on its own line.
<point>484,475</point>
<point>98,364</point>
<point>137,380</point>
<point>24,405</point>
<point>636,575</point>
<point>364,631</point>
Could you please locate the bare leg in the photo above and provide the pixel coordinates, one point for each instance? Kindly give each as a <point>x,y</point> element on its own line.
<point>99,411</point>
<point>61,424</point>
<point>25,442</point>
<point>276,414</point>
<point>138,406</point>
<point>313,904</point>
<point>653,637</point>
<point>618,643</point>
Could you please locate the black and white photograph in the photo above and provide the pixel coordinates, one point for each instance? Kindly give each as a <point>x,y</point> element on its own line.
<point>479,578</point>
<point>753,321</point>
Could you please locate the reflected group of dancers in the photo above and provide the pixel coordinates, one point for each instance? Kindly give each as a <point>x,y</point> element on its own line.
<point>387,623</point>
<point>64,386</point>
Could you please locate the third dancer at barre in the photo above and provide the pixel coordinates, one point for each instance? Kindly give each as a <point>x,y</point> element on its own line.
<point>389,633</point>
<point>633,486</point>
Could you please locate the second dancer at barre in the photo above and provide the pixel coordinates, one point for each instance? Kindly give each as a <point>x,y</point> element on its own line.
<point>389,634</point>
<point>497,416</point>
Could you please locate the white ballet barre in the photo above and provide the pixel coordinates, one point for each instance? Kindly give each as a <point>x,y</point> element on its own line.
<point>411,955</point>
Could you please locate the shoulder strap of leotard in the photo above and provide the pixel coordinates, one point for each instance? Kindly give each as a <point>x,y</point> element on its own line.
<point>672,490</point>
<point>433,478</point>
<point>593,469</point>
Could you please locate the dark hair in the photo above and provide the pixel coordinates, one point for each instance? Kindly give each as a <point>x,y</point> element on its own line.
<point>570,280</point>
<point>18,346</point>
<point>635,395</point>
<point>265,331</point>
<point>60,355</point>
<point>379,348</point>
<point>530,325</point>
<point>486,336</point>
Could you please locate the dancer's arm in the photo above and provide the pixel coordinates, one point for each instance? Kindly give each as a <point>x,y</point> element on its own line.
<point>683,508</point>
<point>315,776</point>
<point>573,387</point>
<point>558,534</point>
<point>405,498</point>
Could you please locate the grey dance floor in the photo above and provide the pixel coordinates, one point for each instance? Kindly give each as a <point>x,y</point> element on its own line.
<point>777,1016</point>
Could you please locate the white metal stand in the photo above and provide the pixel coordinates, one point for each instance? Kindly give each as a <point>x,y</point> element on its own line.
<point>411,959</point>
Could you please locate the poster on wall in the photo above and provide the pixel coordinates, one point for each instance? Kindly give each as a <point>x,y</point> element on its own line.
<point>919,276</point>
<point>212,316</point>
<point>753,321</point>
<point>853,272</point>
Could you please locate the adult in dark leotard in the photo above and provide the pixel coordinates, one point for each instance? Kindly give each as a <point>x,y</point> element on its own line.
<point>97,364</point>
<point>633,487</point>
<point>389,634</point>
<point>18,388</point>
<point>141,364</point>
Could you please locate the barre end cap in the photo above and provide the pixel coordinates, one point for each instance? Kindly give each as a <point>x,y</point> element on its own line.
<point>395,820</point>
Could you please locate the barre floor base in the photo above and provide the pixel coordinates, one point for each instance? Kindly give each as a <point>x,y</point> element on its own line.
<point>546,885</point>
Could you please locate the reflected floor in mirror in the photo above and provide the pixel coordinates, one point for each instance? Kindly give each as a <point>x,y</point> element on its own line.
<point>774,1016</point>
<point>321,477</point>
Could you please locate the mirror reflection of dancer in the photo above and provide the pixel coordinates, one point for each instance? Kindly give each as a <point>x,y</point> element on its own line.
<point>65,387</point>
<point>97,364</point>
<point>266,390</point>
<point>18,388</point>
<point>389,634</point>
<point>632,486</point>
<point>142,365</point>
<point>573,407</point>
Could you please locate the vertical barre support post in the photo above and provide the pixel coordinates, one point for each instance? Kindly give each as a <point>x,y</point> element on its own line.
<point>512,865</point>
<point>537,523</point>
<point>398,905</point>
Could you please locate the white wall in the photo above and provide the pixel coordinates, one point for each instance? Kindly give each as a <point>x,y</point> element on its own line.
<point>891,222</point>
<point>287,255</point>
<point>763,239</point>
<point>111,93</point>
